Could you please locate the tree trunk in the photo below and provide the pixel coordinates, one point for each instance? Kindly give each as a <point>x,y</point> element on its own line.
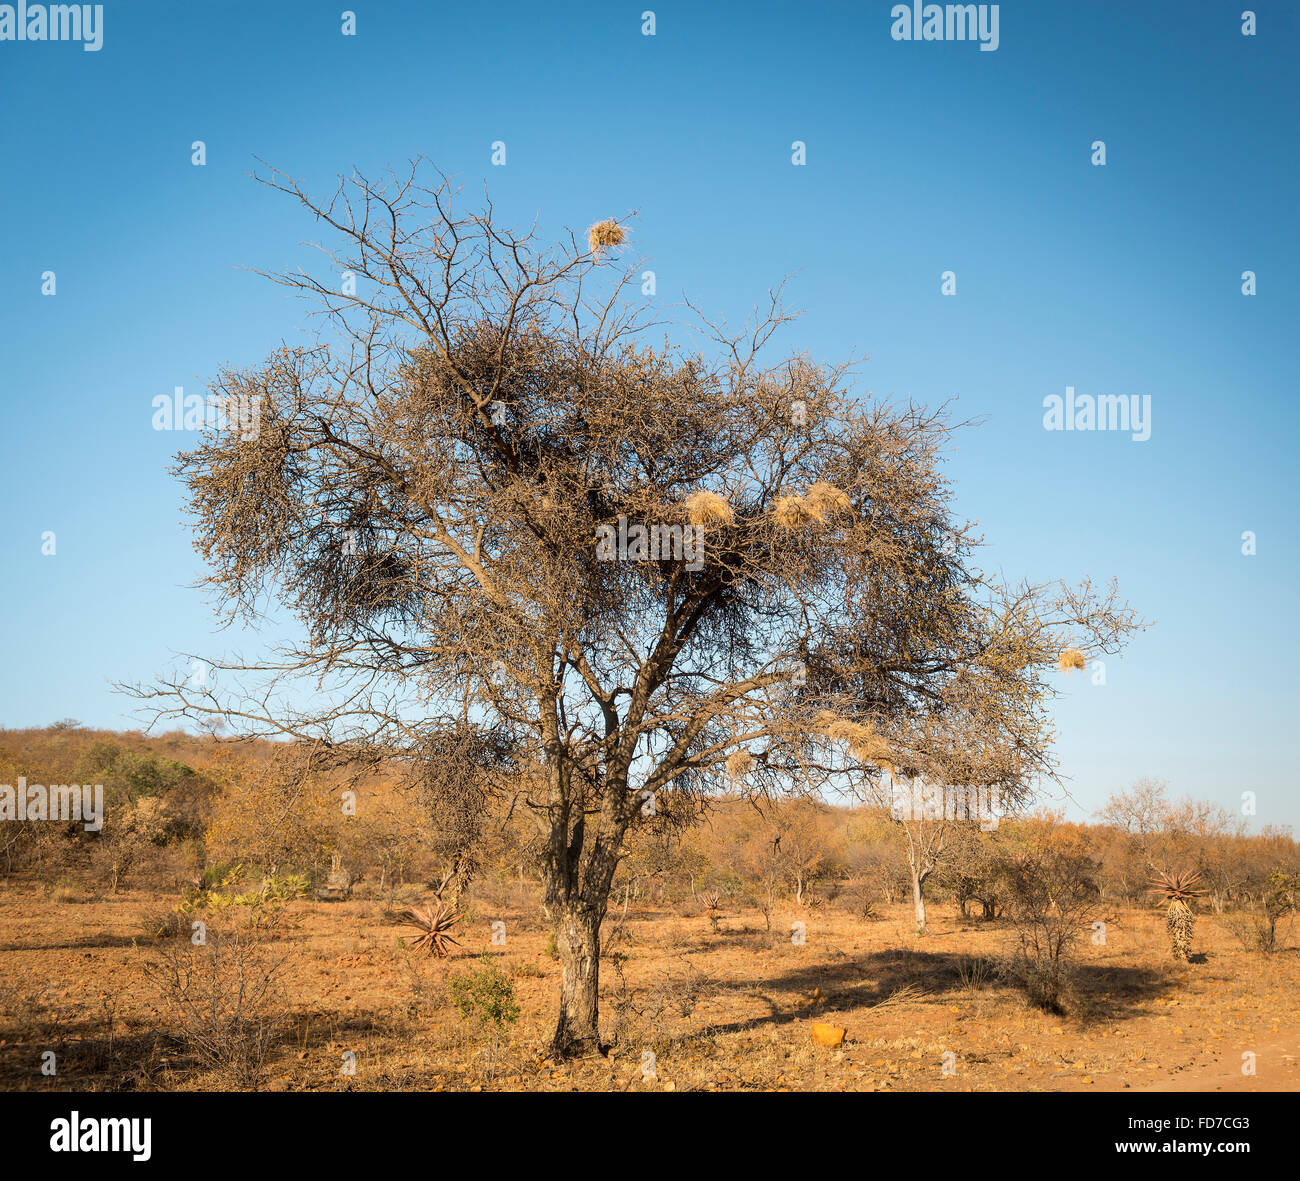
<point>577,938</point>
<point>918,901</point>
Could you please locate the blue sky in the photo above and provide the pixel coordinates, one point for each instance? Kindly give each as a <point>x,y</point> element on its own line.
<point>922,157</point>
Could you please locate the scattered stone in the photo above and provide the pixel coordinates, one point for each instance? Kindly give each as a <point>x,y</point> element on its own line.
<point>828,1035</point>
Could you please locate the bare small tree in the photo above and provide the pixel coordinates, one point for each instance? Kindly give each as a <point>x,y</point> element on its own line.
<point>1142,811</point>
<point>495,505</point>
<point>927,839</point>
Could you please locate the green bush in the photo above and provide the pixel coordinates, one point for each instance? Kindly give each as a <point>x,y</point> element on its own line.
<point>486,995</point>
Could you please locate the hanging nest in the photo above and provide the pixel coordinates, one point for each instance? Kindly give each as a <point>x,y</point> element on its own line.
<point>739,764</point>
<point>863,740</point>
<point>821,502</point>
<point>825,500</point>
<point>605,234</point>
<point>708,508</point>
<point>1071,658</point>
<point>790,512</point>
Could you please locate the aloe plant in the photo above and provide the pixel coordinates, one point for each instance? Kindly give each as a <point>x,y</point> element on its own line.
<point>1178,889</point>
<point>434,922</point>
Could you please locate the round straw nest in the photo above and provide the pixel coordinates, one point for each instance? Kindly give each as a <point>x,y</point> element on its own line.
<point>708,508</point>
<point>790,513</point>
<point>863,740</point>
<point>1071,658</point>
<point>739,764</point>
<point>821,502</point>
<point>605,234</point>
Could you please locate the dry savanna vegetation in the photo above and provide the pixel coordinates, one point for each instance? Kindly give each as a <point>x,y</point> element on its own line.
<point>734,942</point>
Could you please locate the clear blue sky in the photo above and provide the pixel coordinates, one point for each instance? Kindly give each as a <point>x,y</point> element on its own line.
<point>921,157</point>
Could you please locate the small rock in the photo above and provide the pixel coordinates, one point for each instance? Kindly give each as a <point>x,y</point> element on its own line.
<point>828,1035</point>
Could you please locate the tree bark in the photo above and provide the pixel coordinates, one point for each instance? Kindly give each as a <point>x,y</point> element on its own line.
<point>918,900</point>
<point>577,938</point>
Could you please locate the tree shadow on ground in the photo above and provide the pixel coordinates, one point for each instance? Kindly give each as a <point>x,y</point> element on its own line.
<point>918,977</point>
<point>84,1060</point>
<point>101,940</point>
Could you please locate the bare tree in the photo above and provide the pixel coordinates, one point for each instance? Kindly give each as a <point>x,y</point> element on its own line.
<point>927,840</point>
<point>1142,811</point>
<point>434,492</point>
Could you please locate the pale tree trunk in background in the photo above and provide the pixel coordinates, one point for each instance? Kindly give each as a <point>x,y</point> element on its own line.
<point>925,844</point>
<point>918,899</point>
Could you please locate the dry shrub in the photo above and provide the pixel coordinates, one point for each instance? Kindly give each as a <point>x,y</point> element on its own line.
<point>164,924</point>
<point>708,508</point>
<point>428,989</point>
<point>652,1015</point>
<point>132,838</point>
<point>862,899</point>
<point>605,234</point>
<point>66,893</point>
<point>1052,895</point>
<point>1258,930</point>
<point>974,972</point>
<point>225,1002</point>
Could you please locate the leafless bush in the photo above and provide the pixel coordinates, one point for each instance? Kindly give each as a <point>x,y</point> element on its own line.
<point>1052,895</point>
<point>675,993</point>
<point>974,972</point>
<point>224,1000</point>
<point>1266,929</point>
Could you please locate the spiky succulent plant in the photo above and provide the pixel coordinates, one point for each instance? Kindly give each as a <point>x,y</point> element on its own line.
<point>434,922</point>
<point>1178,889</point>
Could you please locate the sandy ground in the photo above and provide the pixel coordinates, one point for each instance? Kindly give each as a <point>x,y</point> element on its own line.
<point>725,1010</point>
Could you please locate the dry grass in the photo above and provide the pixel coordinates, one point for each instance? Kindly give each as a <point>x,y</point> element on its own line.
<point>730,1010</point>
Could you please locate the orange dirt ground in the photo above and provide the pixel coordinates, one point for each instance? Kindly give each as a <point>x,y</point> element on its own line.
<point>731,1010</point>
